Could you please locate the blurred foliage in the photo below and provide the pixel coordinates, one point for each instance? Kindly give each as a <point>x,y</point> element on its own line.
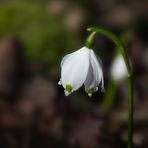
<point>43,34</point>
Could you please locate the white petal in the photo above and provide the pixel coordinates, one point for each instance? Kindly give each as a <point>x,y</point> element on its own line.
<point>95,74</point>
<point>118,68</point>
<point>74,68</point>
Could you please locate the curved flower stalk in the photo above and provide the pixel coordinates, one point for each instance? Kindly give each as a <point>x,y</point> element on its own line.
<point>81,67</point>
<point>121,48</point>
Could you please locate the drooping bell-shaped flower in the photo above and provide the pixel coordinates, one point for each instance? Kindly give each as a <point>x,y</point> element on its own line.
<point>118,68</point>
<point>81,67</point>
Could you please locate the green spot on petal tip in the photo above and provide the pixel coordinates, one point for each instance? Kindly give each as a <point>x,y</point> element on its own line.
<point>91,90</point>
<point>69,88</point>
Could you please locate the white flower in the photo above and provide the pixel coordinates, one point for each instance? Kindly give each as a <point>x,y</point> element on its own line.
<point>81,67</point>
<point>118,69</point>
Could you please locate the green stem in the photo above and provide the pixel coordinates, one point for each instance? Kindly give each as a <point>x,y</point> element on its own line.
<point>130,112</point>
<point>122,49</point>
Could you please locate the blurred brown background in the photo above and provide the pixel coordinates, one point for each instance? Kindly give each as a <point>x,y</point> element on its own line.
<point>34,36</point>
